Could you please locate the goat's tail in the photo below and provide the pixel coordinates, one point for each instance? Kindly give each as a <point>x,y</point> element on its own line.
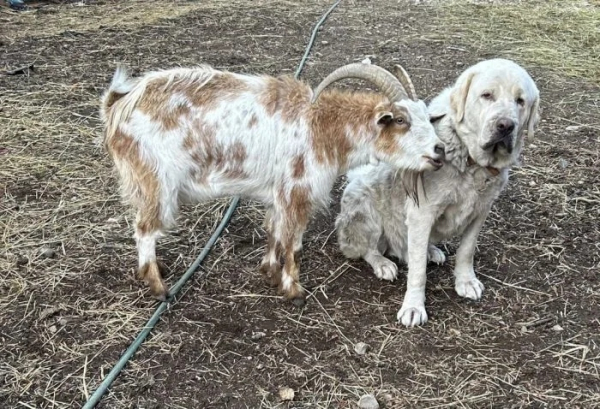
<point>125,90</point>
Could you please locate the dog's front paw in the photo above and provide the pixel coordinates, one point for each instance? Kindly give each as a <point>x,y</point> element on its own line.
<point>385,269</point>
<point>412,316</point>
<point>435,255</point>
<point>471,288</point>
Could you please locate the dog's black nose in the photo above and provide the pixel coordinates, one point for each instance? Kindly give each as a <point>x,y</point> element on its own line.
<point>439,149</point>
<point>505,126</point>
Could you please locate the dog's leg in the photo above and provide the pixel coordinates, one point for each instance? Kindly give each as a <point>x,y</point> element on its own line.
<point>419,223</point>
<point>383,268</point>
<point>465,282</point>
<point>435,255</point>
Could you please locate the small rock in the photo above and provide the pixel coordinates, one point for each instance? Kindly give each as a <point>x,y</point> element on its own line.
<point>366,61</point>
<point>48,312</point>
<point>324,42</point>
<point>286,394</point>
<point>52,329</point>
<point>368,402</point>
<point>47,252</point>
<point>557,328</point>
<point>563,163</point>
<point>257,335</point>
<point>573,128</point>
<point>62,321</point>
<point>361,348</point>
<point>532,183</point>
<point>523,329</point>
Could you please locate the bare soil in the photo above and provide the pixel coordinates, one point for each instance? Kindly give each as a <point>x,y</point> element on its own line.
<point>69,300</point>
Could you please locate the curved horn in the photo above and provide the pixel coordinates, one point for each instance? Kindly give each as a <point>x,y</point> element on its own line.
<point>405,80</point>
<point>383,79</point>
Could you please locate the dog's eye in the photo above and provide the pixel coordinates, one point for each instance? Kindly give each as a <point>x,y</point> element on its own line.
<point>487,95</point>
<point>520,101</point>
<point>399,121</point>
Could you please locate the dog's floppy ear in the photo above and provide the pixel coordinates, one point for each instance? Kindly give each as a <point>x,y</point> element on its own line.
<point>458,98</point>
<point>534,117</point>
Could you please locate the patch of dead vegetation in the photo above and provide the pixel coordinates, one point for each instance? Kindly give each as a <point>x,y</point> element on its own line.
<point>66,315</point>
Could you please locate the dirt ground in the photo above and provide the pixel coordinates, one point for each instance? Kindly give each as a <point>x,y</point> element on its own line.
<point>69,300</point>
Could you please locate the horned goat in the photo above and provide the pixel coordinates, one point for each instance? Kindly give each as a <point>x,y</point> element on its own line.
<point>190,135</point>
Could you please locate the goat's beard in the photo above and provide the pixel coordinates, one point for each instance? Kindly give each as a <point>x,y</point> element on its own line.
<point>411,180</point>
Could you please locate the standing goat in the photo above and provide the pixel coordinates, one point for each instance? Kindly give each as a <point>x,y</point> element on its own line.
<point>191,135</point>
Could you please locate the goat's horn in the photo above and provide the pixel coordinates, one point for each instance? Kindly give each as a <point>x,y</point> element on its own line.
<point>383,79</point>
<point>405,80</point>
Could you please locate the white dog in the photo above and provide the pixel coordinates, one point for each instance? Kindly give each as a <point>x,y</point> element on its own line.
<point>482,121</point>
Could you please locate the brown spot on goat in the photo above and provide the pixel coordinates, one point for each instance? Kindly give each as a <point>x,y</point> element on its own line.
<point>298,167</point>
<point>139,182</point>
<point>223,86</point>
<point>253,121</point>
<point>111,98</point>
<point>344,114</point>
<point>233,162</point>
<point>287,96</point>
<point>156,103</point>
<point>387,140</point>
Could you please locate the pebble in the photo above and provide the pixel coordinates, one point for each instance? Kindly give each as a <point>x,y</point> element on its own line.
<point>557,328</point>
<point>361,348</point>
<point>573,128</point>
<point>257,335</point>
<point>47,252</point>
<point>563,163</point>
<point>368,402</point>
<point>286,394</point>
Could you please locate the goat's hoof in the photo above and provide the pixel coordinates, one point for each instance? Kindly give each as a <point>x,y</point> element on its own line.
<point>160,297</point>
<point>158,289</point>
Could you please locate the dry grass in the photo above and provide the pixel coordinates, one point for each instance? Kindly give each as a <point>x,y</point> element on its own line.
<point>65,320</point>
<point>561,36</point>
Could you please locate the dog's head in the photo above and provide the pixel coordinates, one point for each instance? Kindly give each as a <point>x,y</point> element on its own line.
<point>494,103</point>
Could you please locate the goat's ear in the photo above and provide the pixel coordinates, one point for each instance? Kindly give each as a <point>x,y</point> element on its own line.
<point>458,97</point>
<point>384,118</point>
<point>534,117</point>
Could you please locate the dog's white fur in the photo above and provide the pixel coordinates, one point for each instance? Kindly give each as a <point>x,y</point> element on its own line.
<point>376,217</point>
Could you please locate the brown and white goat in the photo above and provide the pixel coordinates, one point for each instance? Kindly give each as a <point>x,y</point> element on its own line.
<point>191,135</point>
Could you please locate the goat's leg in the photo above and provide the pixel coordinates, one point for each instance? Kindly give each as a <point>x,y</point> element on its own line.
<point>270,265</point>
<point>288,235</point>
<point>150,225</point>
<point>290,276</point>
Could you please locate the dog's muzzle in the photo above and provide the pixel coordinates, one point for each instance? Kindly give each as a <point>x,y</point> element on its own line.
<point>503,135</point>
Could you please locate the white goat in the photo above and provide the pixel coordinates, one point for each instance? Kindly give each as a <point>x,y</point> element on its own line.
<point>191,135</point>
